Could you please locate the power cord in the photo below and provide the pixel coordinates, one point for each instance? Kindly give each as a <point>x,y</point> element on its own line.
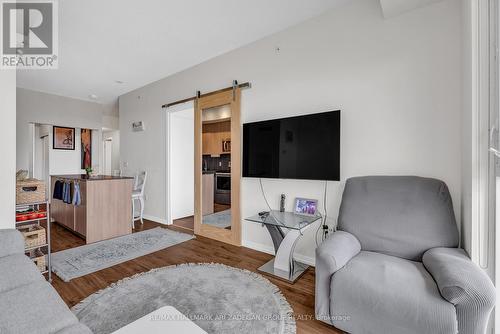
<point>323,224</point>
<point>267,203</point>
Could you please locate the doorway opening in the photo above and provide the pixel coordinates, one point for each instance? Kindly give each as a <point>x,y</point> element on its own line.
<point>180,166</point>
<point>111,152</point>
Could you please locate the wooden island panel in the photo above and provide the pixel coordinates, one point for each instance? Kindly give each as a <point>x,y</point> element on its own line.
<point>81,213</point>
<point>110,204</point>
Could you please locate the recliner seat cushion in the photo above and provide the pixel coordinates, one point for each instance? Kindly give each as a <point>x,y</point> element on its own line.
<point>17,270</point>
<point>386,294</point>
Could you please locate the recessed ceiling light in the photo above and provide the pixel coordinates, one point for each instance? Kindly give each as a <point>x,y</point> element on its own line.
<point>118,81</point>
<point>93,96</point>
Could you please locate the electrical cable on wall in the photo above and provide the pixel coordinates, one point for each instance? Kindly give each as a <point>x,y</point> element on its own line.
<point>323,220</point>
<point>323,217</point>
<point>325,224</point>
<point>267,203</point>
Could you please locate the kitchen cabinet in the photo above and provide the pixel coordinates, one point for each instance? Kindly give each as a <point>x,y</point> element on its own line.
<point>213,135</point>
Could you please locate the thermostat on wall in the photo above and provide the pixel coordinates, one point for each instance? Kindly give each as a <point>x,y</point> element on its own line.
<point>138,126</point>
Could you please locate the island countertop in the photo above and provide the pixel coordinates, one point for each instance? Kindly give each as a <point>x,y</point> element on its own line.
<point>84,177</point>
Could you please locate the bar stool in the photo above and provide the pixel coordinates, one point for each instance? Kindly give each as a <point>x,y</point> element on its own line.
<point>138,194</point>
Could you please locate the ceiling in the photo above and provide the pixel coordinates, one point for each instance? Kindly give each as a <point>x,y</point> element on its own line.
<point>391,8</point>
<point>108,48</point>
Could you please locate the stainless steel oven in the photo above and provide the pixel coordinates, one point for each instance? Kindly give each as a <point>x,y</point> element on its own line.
<point>223,188</point>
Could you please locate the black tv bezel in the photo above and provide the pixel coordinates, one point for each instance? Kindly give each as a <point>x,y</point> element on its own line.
<point>284,118</point>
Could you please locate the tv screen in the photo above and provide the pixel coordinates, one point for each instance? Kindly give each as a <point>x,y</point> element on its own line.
<point>301,147</point>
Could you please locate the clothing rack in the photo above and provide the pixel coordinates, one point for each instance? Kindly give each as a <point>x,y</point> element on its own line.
<point>68,180</point>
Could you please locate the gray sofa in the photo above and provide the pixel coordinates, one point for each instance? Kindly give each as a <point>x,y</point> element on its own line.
<point>28,303</point>
<point>393,266</point>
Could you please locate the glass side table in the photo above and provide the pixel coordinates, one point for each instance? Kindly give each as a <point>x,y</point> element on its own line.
<point>285,229</point>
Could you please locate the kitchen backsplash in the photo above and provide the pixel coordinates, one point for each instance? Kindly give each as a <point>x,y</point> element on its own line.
<point>223,162</point>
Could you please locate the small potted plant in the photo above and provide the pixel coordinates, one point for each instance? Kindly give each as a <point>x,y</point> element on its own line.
<point>88,170</point>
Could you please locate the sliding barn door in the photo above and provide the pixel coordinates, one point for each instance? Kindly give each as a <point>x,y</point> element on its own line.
<point>218,166</point>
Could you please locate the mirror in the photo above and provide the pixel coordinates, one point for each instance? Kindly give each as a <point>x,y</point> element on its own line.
<point>216,166</point>
<point>217,175</point>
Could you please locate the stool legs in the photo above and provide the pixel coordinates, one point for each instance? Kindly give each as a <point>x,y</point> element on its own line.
<point>133,212</point>
<point>141,200</point>
<point>141,214</point>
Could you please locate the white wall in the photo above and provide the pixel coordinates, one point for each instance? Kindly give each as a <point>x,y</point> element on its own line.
<point>182,163</point>
<point>38,165</point>
<point>62,161</point>
<point>42,108</point>
<point>397,82</point>
<point>67,161</point>
<point>8,148</point>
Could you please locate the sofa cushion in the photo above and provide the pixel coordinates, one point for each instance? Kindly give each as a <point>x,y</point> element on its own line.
<point>75,329</point>
<point>17,270</point>
<point>34,308</point>
<point>11,242</point>
<point>385,294</point>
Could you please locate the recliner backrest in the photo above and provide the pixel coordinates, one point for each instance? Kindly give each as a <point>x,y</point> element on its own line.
<point>402,216</point>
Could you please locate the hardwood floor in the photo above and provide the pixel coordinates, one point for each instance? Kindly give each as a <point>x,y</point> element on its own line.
<point>188,222</point>
<point>221,207</point>
<point>185,223</point>
<point>300,295</point>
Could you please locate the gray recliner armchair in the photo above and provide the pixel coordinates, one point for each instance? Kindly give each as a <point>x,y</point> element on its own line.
<point>393,265</point>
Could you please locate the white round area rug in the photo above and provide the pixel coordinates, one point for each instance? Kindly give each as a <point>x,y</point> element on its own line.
<point>218,298</point>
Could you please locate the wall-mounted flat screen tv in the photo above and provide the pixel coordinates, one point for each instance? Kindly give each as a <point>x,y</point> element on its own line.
<point>301,147</point>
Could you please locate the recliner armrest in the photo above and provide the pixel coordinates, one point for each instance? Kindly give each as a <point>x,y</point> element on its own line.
<point>334,253</point>
<point>464,284</point>
<point>11,242</point>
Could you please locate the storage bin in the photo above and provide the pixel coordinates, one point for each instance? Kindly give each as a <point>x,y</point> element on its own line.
<point>39,258</point>
<point>34,235</point>
<point>30,191</point>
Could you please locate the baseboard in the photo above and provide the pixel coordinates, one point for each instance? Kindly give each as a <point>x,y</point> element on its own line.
<point>156,219</point>
<point>270,250</point>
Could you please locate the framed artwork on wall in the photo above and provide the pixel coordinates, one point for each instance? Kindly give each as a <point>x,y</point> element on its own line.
<point>63,138</point>
<point>86,142</point>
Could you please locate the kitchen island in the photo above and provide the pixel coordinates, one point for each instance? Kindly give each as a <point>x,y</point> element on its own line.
<point>105,208</point>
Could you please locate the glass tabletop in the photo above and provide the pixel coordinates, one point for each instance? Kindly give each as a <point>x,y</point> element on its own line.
<point>285,219</point>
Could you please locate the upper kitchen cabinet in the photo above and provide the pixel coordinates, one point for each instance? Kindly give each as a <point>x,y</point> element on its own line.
<point>216,137</point>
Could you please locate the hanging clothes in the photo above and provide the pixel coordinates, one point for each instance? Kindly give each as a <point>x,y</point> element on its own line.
<point>64,191</point>
<point>69,197</point>
<point>77,197</point>
<point>58,190</point>
<point>67,193</point>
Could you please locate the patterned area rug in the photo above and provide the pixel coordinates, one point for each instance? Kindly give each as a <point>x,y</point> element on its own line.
<point>218,298</point>
<point>83,260</point>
